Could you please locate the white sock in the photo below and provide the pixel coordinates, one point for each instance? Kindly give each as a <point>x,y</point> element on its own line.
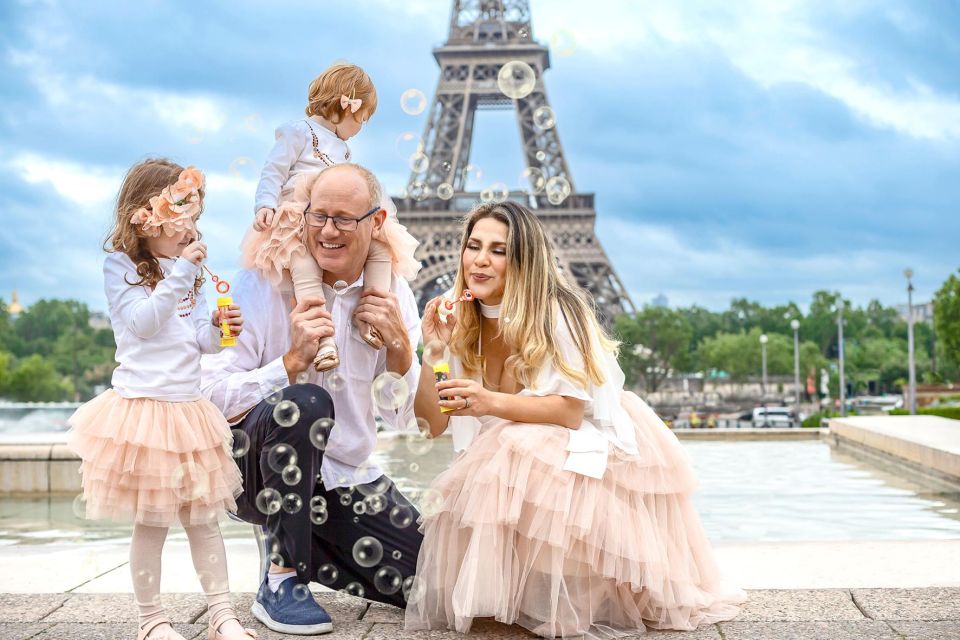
<point>274,579</point>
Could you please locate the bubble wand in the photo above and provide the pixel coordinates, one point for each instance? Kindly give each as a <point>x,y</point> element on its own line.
<point>227,339</point>
<point>441,369</point>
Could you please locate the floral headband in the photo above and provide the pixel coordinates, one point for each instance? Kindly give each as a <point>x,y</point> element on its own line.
<point>175,209</point>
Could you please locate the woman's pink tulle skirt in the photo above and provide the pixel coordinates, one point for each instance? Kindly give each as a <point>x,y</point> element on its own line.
<point>154,462</point>
<point>520,540</point>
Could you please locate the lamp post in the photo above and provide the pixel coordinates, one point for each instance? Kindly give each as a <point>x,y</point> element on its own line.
<point>795,325</point>
<point>911,360</point>
<point>763,362</point>
<point>843,379</point>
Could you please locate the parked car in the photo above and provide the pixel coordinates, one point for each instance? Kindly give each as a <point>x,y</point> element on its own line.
<point>778,417</point>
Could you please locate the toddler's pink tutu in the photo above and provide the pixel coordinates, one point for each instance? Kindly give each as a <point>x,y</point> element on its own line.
<point>154,462</point>
<point>519,539</point>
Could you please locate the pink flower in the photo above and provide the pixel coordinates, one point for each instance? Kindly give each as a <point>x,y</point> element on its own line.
<point>190,182</point>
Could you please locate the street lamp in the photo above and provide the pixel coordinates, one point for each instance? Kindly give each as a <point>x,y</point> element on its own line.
<point>795,325</point>
<point>763,361</point>
<point>911,360</point>
<point>843,379</point>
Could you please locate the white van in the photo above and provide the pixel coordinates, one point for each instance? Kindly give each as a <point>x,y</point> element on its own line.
<point>777,417</point>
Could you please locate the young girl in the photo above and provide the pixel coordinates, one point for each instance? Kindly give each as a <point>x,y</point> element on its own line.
<point>340,101</point>
<point>152,449</point>
<point>569,510</point>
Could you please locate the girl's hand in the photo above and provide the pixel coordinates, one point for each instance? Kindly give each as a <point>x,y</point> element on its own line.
<point>195,252</point>
<point>264,219</point>
<point>467,398</point>
<point>233,317</point>
<point>431,326</point>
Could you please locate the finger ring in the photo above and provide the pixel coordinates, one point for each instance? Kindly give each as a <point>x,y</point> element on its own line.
<point>466,402</point>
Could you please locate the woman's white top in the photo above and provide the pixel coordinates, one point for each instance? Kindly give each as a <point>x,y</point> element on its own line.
<point>293,153</point>
<point>161,333</point>
<point>605,422</point>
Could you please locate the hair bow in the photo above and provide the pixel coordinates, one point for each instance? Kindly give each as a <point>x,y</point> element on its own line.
<point>353,104</point>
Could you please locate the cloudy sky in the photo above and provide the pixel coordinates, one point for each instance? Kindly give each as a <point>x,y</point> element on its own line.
<point>758,149</point>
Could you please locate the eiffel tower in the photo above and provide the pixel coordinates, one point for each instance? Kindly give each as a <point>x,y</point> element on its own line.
<point>491,61</point>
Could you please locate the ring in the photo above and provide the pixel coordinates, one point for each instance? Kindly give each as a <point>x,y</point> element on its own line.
<point>466,403</point>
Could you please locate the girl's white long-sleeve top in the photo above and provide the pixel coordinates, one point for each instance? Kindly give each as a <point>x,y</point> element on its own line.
<point>160,333</point>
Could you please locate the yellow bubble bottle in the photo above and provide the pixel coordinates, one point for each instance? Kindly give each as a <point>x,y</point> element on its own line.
<point>227,339</point>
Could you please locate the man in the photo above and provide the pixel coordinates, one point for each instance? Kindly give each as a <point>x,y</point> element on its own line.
<point>310,435</point>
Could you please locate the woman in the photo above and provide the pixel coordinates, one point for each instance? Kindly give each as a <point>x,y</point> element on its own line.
<point>569,510</point>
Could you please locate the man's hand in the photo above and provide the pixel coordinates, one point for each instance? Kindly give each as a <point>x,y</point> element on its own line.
<point>382,311</point>
<point>233,317</point>
<point>309,323</point>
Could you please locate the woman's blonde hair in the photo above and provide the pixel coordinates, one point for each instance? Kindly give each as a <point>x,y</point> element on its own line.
<point>535,289</point>
<point>341,79</point>
<point>143,181</point>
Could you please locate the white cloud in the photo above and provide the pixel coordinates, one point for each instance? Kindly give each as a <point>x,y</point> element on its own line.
<point>89,187</point>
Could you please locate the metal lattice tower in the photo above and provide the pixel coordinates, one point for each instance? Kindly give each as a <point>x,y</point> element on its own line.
<point>486,35</point>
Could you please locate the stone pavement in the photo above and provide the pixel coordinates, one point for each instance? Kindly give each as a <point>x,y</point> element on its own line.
<point>854,614</point>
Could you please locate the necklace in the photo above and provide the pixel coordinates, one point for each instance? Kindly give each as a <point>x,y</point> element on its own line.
<point>324,158</point>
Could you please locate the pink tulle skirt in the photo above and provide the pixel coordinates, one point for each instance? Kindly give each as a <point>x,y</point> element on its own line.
<point>271,250</point>
<point>516,538</point>
<point>154,462</point>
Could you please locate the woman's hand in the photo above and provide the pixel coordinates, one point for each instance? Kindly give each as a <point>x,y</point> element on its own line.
<point>467,398</point>
<point>264,219</point>
<point>232,316</point>
<point>431,326</point>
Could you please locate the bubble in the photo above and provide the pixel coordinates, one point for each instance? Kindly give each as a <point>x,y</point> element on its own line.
<point>419,191</point>
<point>544,118</point>
<point>190,482</point>
<point>390,391</point>
<point>291,475</point>
<point>269,501</point>
<point>354,589</point>
<point>367,551</point>
<point>540,155</point>
<point>375,504</point>
<point>301,592</point>
<point>281,456</point>
<point>327,574</point>
<point>319,516</point>
<point>318,503</point>
<point>471,173</point>
<point>557,188</point>
<point>387,580</point>
<point>336,382</point>
<point>434,353</point>
<point>210,582</point>
<point>523,33</point>
<point>532,178</point>
<point>419,162</point>
<point>413,102</point>
<point>419,443</point>
<point>431,502</point>
<point>376,488</point>
<point>274,396</point>
<point>444,190</point>
<point>144,579</point>
<point>500,191</point>
<point>302,567</point>
<point>414,467</point>
<point>303,378</point>
<point>562,43</point>
<point>486,195</point>
<point>320,432</point>
<point>359,508</point>
<point>251,122</point>
<point>240,165</point>
<point>340,286</point>
<point>292,503</point>
<point>446,166</point>
<point>396,555</point>
<point>413,589</point>
<point>276,558</point>
<point>346,499</point>
<point>286,413</point>
<point>516,79</point>
<point>80,507</point>
<point>408,143</point>
<point>401,516</point>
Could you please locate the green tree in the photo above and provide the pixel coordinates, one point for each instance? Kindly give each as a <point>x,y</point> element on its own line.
<point>946,319</point>
<point>39,326</point>
<point>655,341</point>
<point>36,379</point>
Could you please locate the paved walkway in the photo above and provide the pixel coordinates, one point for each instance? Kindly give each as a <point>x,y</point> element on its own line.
<point>854,614</point>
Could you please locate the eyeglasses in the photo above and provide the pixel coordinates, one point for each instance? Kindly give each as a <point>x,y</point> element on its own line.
<point>343,223</point>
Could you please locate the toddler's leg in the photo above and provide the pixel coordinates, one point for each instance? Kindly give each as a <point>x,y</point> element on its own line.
<point>307,279</point>
<point>146,547</point>
<point>377,272</point>
<point>210,562</point>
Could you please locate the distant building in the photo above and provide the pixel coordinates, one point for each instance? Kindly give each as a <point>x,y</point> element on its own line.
<point>660,301</point>
<point>14,308</point>
<point>99,320</point>
<point>921,312</point>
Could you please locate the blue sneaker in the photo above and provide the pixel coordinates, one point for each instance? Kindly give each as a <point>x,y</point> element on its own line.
<point>284,613</point>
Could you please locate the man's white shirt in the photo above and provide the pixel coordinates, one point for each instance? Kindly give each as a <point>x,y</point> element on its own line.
<point>238,378</point>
